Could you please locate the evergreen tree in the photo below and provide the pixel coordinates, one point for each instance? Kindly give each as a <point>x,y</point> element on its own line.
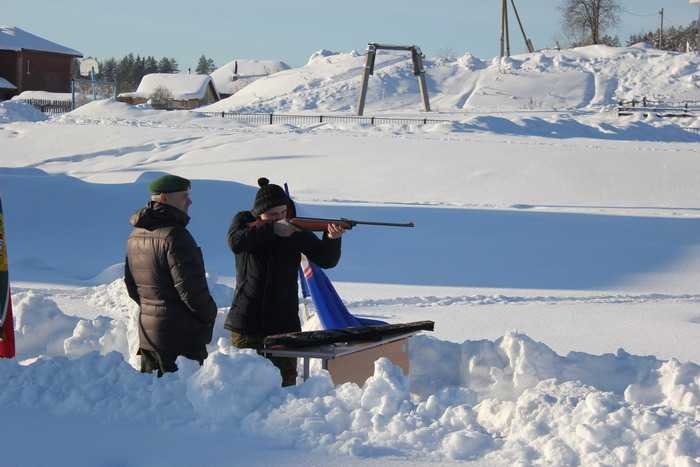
<point>139,69</point>
<point>174,65</point>
<point>125,74</point>
<point>151,65</point>
<point>202,66</point>
<point>165,66</point>
<point>108,70</point>
<point>205,65</point>
<point>674,38</point>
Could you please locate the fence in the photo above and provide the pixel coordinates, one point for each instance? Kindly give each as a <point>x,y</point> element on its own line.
<point>272,118</point>
<point>50,107</point>
<point>660,108</point>
<point>88,90</point>
<point>82,92</point>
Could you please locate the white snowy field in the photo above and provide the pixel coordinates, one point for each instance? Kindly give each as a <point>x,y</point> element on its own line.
<point>557,253</point>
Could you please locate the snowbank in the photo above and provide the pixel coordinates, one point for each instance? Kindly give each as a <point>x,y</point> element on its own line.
<point>109,112</point>
<point>514,405</point>
<point>587,77</point>
<point>510,400</point>
<point>40,326</point>
<point>15,111</point>
<point>43,329</point>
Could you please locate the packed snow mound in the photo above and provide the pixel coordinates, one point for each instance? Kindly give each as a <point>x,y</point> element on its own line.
<point>237,74</point>
<point>110,111</point>
<point>16,111</point>
<point>517,406</point>
<point>43,329</point>
<point>586,77</point>
<point>40,326</point>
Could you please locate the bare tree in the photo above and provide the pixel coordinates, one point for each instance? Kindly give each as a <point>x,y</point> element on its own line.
<point>161,98</point>
<point>588,20</point>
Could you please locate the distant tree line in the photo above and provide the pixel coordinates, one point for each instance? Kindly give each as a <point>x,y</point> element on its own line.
<point>587,22</point>
<point>128,70</point>
<point>675,38</point>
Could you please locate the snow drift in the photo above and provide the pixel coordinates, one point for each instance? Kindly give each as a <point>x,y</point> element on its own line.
<point>16,111</point>
<point>508,400</point>
<point>587,77</point>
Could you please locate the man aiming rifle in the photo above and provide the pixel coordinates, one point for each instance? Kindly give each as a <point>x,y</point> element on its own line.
<point>268,242</point>
<point>268,249</point>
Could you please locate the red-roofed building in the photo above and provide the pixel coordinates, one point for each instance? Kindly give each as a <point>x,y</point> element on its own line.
<point>32,63</point>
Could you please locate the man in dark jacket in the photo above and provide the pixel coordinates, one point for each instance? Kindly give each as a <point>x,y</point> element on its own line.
<point>164,274</point>
<point>268,253</point>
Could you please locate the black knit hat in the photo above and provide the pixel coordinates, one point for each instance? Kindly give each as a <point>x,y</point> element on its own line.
<point>268,196</point>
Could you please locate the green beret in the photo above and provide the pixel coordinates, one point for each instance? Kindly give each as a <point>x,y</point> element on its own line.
<point>169,184</point>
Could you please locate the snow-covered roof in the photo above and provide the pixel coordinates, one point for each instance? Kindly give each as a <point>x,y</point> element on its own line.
<point>14,38</point>
<point>4,84</point>
<point>181,86</point>
<point>247,72</point>
<point>43,95</point>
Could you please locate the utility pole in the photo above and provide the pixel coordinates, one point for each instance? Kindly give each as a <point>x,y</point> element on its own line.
<point>505,33</point>
<point>659,43</point>
<point>505,30</point>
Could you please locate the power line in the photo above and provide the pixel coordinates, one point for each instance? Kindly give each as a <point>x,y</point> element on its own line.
<point>638,14</point>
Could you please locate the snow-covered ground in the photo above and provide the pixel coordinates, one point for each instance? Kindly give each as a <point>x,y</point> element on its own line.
<point>587,77</point>
<point>558,254</point>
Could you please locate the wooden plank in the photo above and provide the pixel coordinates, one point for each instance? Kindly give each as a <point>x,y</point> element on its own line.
<point>358,366</point>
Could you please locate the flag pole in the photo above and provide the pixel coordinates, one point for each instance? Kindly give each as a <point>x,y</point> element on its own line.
<point>7,329</point>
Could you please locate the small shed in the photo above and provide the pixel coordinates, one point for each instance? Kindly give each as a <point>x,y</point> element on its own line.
<point>173,91</point>
<point>32,63</point>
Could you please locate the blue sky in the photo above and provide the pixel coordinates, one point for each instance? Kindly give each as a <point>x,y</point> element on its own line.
<point>292,30</point>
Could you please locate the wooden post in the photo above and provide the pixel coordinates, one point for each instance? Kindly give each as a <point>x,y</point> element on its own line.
<point>503,29</point>
<point>369,69</point>
<point>419,70</point>
<point>507,28</point>
<point>528,42</point>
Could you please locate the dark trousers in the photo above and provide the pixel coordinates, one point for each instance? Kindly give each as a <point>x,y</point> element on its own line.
<point>163,362</point>
<point>286,365</point>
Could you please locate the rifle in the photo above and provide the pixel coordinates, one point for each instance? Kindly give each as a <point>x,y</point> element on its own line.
<point>314,224</point>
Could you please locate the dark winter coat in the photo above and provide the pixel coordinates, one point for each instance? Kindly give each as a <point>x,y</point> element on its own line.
<point>165,275</point>
<point>266,300</point>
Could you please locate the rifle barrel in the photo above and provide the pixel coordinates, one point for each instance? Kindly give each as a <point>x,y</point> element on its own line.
<point>354,222</point>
